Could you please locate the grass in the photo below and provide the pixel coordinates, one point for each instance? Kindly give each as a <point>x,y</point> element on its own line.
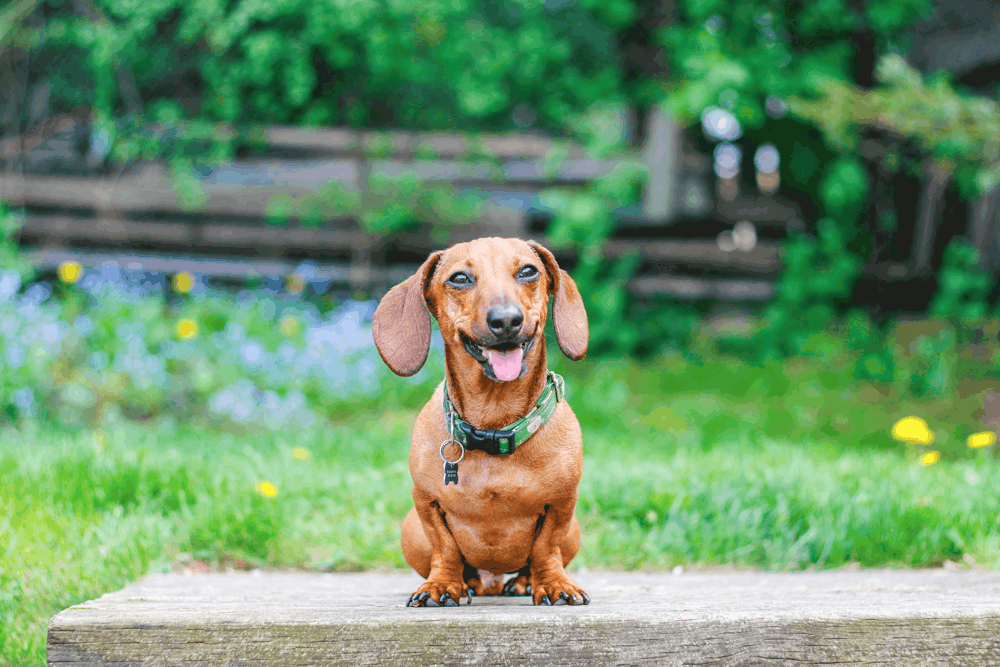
<point>781,466</point>
<point>709,398</point>
<point>86,512</point>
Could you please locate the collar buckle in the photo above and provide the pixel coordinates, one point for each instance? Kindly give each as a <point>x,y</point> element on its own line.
<point>492,441</point>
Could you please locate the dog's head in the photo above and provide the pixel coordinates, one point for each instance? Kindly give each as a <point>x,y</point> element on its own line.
<point>490,298</point>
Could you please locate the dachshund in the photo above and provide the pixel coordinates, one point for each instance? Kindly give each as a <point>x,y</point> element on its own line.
<point>498,426</point>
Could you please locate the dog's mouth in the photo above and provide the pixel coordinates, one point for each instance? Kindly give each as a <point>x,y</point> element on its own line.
<point>502,362</point>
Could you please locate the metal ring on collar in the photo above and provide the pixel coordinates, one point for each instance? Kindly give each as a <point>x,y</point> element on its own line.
<point>445,444</point>
<point>555,386</point>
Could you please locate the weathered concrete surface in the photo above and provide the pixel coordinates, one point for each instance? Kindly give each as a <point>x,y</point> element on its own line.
<point>883,617</point>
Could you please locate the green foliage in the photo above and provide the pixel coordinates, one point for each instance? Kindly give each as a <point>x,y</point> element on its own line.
<point>438,65</point>
<point>963,285</point>
<point>960,131</point>
<point>919,359</point>
<point>875,359</point>
<point>817,273</point>
<point>735,55</point>
<point>924,358</point>
<point>844,188</point>
<point>10,258</point>
<point>755,49</point>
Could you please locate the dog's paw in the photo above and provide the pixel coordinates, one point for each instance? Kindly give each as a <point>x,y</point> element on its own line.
<point>438,594</point>
<point>517,585</point>
<point>557,589</point>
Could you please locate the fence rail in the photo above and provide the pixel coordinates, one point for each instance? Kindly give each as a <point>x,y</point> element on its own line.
<point>140,217</point>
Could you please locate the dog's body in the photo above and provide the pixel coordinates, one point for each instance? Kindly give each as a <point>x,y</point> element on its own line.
<point>507,512</point>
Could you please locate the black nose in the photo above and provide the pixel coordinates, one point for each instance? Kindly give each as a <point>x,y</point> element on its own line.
<point>504,321</point>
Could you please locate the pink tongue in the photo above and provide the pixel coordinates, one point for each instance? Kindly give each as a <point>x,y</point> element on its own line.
<point>506,365</point>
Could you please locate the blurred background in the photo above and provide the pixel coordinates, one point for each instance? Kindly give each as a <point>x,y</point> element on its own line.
<point>782,216</point>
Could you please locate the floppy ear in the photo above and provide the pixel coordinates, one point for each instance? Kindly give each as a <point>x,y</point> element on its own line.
<point>568,313</point>
<point>401,325</point>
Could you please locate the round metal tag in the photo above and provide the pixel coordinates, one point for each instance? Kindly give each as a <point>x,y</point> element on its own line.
<point>445,444</point>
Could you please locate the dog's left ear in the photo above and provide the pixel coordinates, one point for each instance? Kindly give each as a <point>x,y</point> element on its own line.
<point>401,325</point>
<point>568,314</point>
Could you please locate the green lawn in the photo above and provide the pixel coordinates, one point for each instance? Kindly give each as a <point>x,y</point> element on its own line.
<point>81,517</point>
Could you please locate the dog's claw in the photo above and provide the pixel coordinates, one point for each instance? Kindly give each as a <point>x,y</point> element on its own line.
<point>419,599</point>
<point>510,587</point>
<point>545,601</point>
<point>575,599</point>
<point>586,598</point>
<point>425,600</point>
<point>468,594</point>
<point>563,599</point>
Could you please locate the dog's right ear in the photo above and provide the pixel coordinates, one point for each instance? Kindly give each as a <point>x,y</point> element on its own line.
<point>569,317</point>
<point>401,325</point>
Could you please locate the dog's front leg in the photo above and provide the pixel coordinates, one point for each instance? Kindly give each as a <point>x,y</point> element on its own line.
<point>550,583</point>
<point>445,585</point>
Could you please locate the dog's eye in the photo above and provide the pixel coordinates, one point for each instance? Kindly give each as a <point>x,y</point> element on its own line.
<point>460,279</point>
<point>527,273</point>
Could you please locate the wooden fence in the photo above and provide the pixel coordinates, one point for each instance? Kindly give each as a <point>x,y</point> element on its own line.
<point>137,217</point>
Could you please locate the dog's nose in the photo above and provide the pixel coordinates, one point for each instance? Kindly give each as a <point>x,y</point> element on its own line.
<point>504,321</point>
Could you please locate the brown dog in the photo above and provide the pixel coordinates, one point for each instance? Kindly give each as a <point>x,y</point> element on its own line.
<point>508,507</point>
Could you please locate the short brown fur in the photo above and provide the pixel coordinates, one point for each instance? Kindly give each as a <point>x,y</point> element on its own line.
<point>491,517</point>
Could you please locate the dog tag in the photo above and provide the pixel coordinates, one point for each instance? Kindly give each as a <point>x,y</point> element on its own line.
<point>450,473</point>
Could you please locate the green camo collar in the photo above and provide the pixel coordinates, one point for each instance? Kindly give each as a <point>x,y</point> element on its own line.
<point>505,440</point>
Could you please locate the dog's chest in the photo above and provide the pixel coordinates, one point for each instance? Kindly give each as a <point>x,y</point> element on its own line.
<point>493,511</point>
<point>487,479</point>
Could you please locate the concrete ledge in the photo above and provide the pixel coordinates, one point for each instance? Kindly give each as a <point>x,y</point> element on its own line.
<point>878,617</point>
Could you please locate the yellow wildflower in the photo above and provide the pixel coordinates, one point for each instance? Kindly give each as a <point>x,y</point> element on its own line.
<point>300,453</point>
<point>187,328</point>
<point>266,489</point>
<point>69,272</point>
<point>183,282</point>
<point>913,430</point>
<point>930,458</point>
<point>288,326</point>
<point>984,439</point>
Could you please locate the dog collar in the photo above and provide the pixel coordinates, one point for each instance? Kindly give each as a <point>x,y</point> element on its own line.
<point>505,440</point>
